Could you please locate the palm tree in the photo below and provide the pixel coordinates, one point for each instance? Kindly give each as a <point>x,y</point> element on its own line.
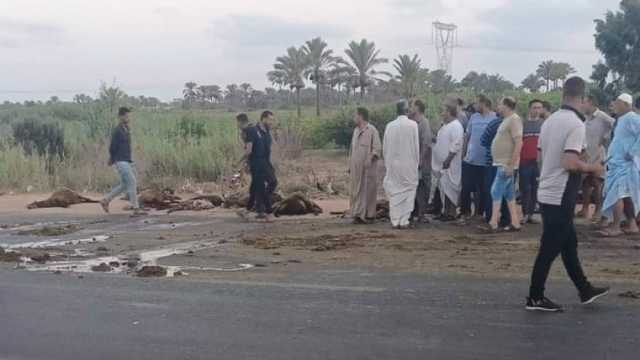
<point>190,92</point>
<point>365,58</point>
<point>532,83</point>
<point>560,72</point>
<point>545,71</point>
<point>320,58</point>
<point>216,93</point>
<point>246,89</point>
<point>289,70</point>
<point>409,72</point>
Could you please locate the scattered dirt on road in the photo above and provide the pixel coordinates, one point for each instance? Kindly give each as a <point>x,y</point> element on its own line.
<point>152,271</point>
<point>52,230</point>
<point>635,295</point>
<point>324,242</point>
<point>103,267</point>
<point>9,256</point>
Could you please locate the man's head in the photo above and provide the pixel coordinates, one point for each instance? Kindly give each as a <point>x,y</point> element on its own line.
<point>573,92</point>
<point>460,103</point>
<point>418,107</point>
<point>123,114</point>
<point>590,104</point>
<point>449,112</point>
<point>623,104</point>
<point>267,119</point>
<point>361,116</point>
<point>243,120</point>
<point>483,104</point>
<point>535,109</point>
<point>507,106</point>
<point>402,107</point>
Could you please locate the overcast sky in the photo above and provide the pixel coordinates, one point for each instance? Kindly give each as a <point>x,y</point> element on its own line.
<point>153,47</point>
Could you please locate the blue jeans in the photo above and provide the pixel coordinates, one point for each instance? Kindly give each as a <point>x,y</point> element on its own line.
<point>127,183</point>
<point>503,186</point>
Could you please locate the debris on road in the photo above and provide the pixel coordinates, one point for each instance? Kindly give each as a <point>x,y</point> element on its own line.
<point>103,267</point>
<point>9,256</point>
<point>52,230</point>
<point>152,271</point>
<point>630,295</point>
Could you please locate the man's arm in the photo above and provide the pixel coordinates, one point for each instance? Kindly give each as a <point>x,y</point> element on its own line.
<point>515,157</point>
<point>571,162</point>
<point>115,143</point>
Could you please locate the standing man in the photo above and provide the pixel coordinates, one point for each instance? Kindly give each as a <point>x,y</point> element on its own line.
<point>447,161</point>
<point>363,168</point>
<point>263,177</point>
<point>529,171</point>
<point>475,161</point>
<point>243,126</point>
<point>490,173</point>
<point>461,114</point>
<point>120,158</point>
<point>562,139</point>
<point>505,150</point>
<point>401,151</point>
<point>425,136</point>
<point>622,184</point>
<point>598,126</point>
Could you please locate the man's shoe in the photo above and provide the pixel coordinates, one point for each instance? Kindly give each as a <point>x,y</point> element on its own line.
<point>543,304</point>
<point>592,293</point>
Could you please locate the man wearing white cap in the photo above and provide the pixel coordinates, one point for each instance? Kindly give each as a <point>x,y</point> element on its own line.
<point>622,183</point>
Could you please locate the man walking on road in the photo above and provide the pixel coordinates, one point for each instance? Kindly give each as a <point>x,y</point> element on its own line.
<point>426,142</point>
<point>598,134</point>
<point>562,140</point>
<point>363,168</point>
<point>120,158</point>
<point>263,177</point>
<point>401,152</point>
<point>529,171</point>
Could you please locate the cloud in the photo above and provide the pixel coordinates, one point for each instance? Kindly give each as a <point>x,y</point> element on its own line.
<point>263,31</point>
<point>17,33</point>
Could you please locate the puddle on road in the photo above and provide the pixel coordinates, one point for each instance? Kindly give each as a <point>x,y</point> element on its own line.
<point>131,264</point>
<point>54,243</point>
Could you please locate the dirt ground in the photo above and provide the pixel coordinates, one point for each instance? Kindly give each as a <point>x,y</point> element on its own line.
<point>217,244</point>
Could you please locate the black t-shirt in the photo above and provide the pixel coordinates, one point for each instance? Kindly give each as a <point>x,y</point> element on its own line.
<point>261,144</point>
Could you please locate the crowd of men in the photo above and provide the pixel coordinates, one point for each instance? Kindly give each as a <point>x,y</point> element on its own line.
<point>474,162</point>
<point>480,161</point>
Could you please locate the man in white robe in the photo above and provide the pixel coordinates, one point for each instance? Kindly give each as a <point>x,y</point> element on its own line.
<point>447,161</point>
<point>401,151</point>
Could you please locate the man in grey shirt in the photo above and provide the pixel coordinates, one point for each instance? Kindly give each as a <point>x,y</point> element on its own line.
<point>425,136</point>
<point>598,126</point>
<point>562,140</point>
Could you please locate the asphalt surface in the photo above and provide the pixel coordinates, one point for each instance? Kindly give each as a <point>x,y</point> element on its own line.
<point>315,315</point>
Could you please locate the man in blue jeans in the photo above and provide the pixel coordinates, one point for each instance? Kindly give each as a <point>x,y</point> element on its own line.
<point>120,158</point>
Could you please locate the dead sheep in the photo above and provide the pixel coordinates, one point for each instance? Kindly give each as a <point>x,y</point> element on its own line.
<point>296,204</point>
<point>61,199</point>
<point>158,199</point>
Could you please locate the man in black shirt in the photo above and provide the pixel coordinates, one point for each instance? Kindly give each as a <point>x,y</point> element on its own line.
<point>263,178</point>
<point>120,158</point>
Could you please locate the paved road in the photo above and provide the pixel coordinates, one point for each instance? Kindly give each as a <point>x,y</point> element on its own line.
<point>339,315</point>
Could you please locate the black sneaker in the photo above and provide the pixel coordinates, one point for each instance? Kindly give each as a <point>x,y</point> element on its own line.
<point>592,294</point>
<point>542,305</point>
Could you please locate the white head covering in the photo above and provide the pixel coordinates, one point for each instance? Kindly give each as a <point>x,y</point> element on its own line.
<point>626,98</point>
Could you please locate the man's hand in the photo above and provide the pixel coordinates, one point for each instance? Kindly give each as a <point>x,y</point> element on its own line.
<point>446,164</point>
<point>508,171</point>
<point>110,162</point>
<point>598,169</point>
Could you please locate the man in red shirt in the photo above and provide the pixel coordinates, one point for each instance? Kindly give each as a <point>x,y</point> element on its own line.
<point>529,170</point>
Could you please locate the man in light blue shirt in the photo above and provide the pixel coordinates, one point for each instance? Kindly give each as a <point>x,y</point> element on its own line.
<point>475,161</point>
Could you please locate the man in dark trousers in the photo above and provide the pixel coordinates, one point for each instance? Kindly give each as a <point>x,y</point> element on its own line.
<point>562,141</point>
<point>263,177</point>
<point>120,158</point>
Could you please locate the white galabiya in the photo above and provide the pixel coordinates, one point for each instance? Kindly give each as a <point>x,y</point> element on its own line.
<point>401,151</point>
<point>449,140</point>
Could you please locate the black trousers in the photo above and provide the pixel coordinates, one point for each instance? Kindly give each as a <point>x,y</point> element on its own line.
<point>505,217</point>
<point>528,176</point>
<point>473,178</point>
<point>558,238</point>
<point>422,196</point>
<point>263,185</point>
